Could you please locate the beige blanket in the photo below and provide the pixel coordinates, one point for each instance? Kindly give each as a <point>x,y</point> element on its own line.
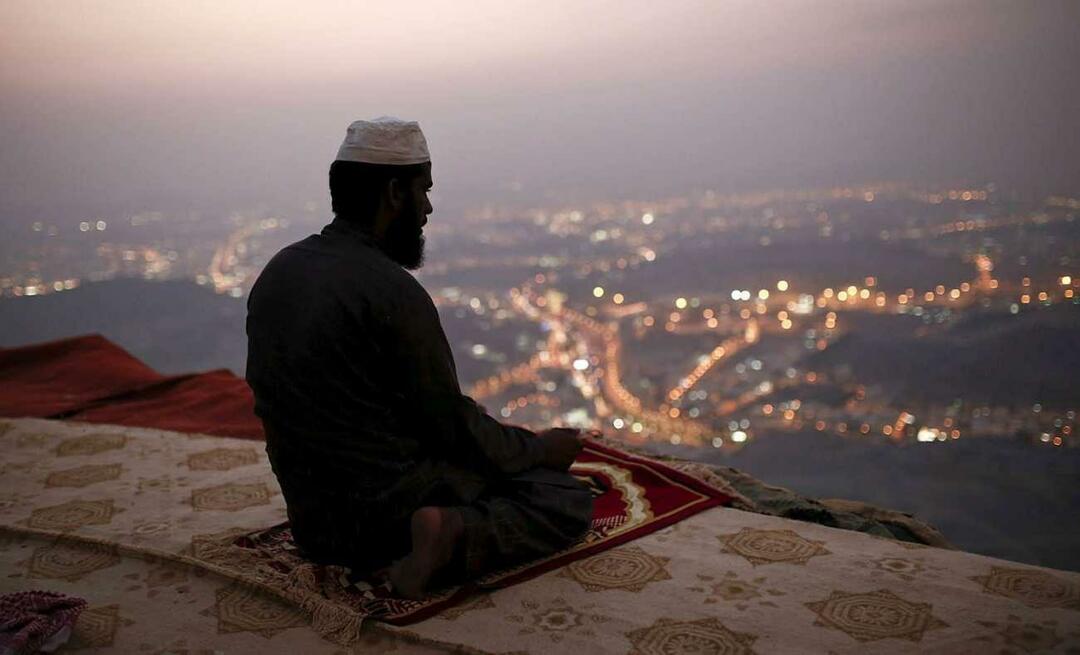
<point>119,515</point>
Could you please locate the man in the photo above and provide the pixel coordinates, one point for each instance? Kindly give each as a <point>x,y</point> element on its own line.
<point>381,458</point>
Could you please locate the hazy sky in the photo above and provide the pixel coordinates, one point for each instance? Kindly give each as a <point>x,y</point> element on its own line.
<point>113,106</point>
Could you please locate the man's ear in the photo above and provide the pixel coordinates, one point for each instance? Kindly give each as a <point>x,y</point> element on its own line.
<point>395,194</point>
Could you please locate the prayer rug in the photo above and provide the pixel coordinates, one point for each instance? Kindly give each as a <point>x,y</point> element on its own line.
<point>634,496</point>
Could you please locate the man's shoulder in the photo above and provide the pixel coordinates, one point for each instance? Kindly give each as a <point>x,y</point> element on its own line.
<point>352,266</point>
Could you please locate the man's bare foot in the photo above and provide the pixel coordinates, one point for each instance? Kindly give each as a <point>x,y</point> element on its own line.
<point>435,533</point>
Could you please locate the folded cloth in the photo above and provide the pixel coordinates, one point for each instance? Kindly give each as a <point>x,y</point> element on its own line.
<point>36,621</point>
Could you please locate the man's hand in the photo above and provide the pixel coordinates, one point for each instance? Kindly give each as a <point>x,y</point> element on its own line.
<point>561,446</point>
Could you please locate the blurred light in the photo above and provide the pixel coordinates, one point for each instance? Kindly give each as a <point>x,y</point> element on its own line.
<point>581,364</point>
<point>618,299</point>
<point>680,303</point>
<point>647,219</point>
<point>738,436</point>
<point>598,292</point>
<point>782,285</point>
<point>926,435</point>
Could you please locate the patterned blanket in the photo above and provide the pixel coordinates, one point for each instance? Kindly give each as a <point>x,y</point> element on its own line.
<point>633,497</point>
<point>129,519</point>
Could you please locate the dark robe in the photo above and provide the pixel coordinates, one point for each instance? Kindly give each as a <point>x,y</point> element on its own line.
<point>366,422</point>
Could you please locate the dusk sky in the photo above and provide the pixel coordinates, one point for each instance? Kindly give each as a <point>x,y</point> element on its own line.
<point>111,107</point>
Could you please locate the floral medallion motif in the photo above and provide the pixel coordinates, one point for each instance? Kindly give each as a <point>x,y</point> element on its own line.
<point>875,615</point>
<point>556,618</point>
<point>72,515</point>
<point>230,497</point>
<point>81,476</point>
<point>241,609</point>
<point>772,546</point>
<point>90,444</point>
<point>735,591</point>
<point>221,459</point>
<point>96,628</point>
<point>1031,587</point>
<point>701,636</point>
<point>70,560</point>
<point>629,568</point>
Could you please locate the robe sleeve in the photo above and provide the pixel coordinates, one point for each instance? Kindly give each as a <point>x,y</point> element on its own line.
<point>442,416</point>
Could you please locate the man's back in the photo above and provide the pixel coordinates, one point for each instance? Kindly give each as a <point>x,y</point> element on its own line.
<point>317,354</point>
<point>329,382</point>
<point>379,455</point>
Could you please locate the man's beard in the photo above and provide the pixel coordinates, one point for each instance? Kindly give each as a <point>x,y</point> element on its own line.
<point>404,240</point>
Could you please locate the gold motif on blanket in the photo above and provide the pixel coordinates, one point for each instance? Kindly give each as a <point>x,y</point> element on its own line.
<point>629,568</point>
<point>1031,587</point>
<point>556,618</point>
<point>96,628</point>
<point>240,609</point>
<point>701,636</point>
<point>70,560</point>
<point>734,591</point>
<point>90,444</point>
<point>81,476</point>
<point>222,459</point>
<point>230,497</point>
<point>772,546</point>
<point>72,515</point>
<point>875,615</point>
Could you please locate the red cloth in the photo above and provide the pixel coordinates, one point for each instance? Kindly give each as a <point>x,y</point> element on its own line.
<point>32,620</point>
<point>50,379</point>
<point>216,402</point>
<point>91,379</point>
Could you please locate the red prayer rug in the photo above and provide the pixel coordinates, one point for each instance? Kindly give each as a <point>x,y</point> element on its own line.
<point>633,496</point>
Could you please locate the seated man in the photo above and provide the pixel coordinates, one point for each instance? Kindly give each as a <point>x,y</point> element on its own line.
<point>381,458</point>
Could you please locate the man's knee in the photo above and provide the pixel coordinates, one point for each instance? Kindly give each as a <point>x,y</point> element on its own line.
<point>566,500</point>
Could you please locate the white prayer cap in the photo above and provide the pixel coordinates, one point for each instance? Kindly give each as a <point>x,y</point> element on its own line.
<point>384,140</point>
